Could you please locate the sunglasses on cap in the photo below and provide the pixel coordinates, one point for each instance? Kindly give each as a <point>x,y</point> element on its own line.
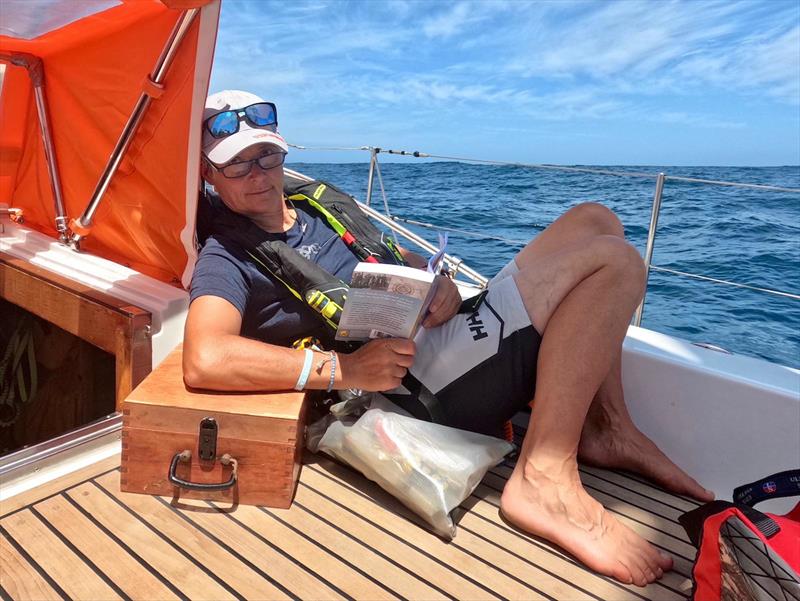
<point>225,123</point>
<point>266,161</point>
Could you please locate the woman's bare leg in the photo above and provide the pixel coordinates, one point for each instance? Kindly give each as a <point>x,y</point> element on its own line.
<point>585,296</point>
<point>609,438</point>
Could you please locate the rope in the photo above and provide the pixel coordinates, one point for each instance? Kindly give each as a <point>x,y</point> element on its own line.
<point>12,376</point>
<point>717,281</point>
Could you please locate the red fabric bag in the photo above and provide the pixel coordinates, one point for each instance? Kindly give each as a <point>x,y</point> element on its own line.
<point>744,554</point>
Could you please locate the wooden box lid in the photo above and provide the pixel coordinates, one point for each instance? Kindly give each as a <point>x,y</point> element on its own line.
<point>162,402</point>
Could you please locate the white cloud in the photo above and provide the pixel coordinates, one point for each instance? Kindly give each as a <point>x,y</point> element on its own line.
<point>372,67</point>
<point>447,24</point>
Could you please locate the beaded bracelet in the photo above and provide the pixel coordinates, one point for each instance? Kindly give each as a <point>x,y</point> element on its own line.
<point>332,358</point>
<point>333,371</point>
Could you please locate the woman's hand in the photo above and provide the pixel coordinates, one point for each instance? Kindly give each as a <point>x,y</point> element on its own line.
<point>377,366</point>
<point>445,303</point>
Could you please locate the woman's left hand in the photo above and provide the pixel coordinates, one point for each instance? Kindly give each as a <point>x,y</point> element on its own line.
<point>445,303</point>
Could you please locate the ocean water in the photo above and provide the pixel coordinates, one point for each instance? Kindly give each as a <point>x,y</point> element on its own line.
<point>736,234</point>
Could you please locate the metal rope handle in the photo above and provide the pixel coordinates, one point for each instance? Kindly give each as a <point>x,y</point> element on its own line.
<point>186,456</point>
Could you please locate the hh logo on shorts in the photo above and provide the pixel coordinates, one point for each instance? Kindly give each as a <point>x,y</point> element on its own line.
<point>476,326</point>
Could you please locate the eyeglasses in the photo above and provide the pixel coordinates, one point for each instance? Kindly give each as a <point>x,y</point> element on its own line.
<point>260,114</point>
<point>266,161</point>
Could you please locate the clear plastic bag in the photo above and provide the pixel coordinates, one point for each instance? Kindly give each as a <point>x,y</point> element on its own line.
<point>430,468</point>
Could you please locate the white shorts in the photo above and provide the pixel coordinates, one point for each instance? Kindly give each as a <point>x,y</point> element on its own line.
<point>482,365</point>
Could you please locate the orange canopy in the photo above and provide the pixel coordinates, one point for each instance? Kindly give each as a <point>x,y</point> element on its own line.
<point>94,71</point>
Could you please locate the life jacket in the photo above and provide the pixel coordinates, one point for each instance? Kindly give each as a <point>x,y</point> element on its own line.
<point>744,554</point>
<point>323,293</point>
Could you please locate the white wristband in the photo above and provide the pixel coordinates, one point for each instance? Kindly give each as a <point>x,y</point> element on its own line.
<point>301,381</point>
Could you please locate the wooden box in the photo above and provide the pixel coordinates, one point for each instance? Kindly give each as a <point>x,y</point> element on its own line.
<point>263,432</point>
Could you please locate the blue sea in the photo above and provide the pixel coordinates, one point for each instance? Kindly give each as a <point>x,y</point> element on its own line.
<point>742,235</point>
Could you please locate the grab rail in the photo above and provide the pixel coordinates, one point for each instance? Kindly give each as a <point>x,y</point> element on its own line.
<point>661,179</point>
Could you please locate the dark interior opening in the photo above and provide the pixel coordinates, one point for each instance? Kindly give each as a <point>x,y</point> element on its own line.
<point>50,380</point>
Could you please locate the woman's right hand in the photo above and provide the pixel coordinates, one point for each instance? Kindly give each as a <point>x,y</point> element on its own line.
<point>377,366</point>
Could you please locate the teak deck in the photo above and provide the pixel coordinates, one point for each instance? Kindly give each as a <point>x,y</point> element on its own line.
<point>343,538</point>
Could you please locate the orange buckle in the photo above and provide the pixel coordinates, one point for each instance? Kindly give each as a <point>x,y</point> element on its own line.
<point>79,229</point>
<point>152,89</point>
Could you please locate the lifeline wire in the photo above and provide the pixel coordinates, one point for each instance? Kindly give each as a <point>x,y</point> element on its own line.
<point>446,228</point>
<point>716,281</point>
<point>565,168</point>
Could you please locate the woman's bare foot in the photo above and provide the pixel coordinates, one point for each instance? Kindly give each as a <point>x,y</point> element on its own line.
<point>625,447</point>
<point>558,509</point>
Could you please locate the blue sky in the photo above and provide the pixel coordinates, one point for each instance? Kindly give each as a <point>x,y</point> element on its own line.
<point>627,82</point>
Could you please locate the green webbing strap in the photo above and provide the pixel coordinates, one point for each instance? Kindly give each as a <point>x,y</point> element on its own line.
<point>334,223</point>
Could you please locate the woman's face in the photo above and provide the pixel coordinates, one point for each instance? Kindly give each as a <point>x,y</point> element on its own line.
<point>253,195</point>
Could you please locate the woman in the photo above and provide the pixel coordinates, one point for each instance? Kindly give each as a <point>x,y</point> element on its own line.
<point>549,333</point>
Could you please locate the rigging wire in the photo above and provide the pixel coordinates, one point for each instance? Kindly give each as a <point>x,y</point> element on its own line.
<point>718,281</point>
<point>447,228</point>
<point>561,168</point>
<point>571,169</point>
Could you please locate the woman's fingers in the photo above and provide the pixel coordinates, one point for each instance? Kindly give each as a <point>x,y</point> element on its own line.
<point>445,303</point>
<point>379,364</point>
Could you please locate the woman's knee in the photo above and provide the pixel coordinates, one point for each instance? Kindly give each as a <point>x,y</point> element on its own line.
<point>622,259</point>
<point>599,219</point>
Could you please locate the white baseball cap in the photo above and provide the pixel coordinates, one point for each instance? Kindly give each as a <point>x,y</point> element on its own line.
<point>222,150</point>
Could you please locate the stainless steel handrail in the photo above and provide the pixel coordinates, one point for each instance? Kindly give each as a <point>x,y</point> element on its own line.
<point>35,69</point>
<point>651,242</point>
<point>81,224</point>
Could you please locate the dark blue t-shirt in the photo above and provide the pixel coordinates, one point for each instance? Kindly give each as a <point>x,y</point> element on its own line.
<point>269,311</point>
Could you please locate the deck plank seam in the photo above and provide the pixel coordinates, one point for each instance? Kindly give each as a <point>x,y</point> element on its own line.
<point>519,435</point>
<point>57,493</point>
<point>562,556</point>
<point>171,543</point>
<point>138,558</point>
<point>517,534</point>
<point>330,552</point>
<point>610,494</point>
<point>381,554</point>
<point>406,542</point>
<point>531,563</point>
<point>504,572</point>
<point>464,550</point>
<point>615,485</point>
<point>33,563</point>
<point>264,540</point>
<point>493,504</point>
<point>230,550</point>
<point>638,493</point>
<point>4,594</point>
<point>81,555</point>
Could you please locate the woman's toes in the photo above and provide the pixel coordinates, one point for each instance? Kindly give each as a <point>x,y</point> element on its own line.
<point>622,573</point>
<point>664,561</point>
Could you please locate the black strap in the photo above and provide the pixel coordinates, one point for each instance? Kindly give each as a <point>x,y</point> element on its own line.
<point>422,403</point>
<point>782,484</point>
<point>694,521</point>
<point>471,304</point>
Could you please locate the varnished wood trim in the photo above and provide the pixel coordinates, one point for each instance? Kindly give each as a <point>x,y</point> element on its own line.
<point>98,318</point>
